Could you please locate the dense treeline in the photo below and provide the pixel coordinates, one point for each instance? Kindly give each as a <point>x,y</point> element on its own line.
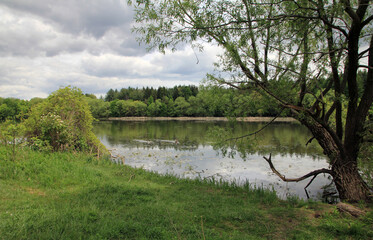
<point>189,101</point>
<point>16,109</point>
<point>192,101</point>
<point>180,101</point>
<point>147,93</point>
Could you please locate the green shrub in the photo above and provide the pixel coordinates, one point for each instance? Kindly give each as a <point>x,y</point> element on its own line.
<point>11,132</point>
<point>63,122</point>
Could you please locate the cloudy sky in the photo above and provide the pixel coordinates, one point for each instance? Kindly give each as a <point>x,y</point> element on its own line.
<point>47,44</point>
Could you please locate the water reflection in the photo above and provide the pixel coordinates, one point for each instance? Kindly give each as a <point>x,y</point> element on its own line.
<point>185,149</point>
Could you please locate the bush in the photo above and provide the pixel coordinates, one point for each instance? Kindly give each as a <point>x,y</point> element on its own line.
<point>64,122</point>
<point>11,132</point>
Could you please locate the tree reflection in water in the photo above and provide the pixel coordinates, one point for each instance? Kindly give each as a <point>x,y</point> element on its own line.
<point>187,149</point>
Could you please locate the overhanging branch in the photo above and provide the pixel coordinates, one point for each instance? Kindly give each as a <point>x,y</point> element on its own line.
<point>285,179</point>
<point>254,133</point>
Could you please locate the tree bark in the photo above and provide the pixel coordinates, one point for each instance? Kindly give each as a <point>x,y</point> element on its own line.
<point>350,185</point>
<point>350,209</point>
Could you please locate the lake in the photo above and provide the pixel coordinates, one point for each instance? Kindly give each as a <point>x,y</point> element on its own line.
<point>186,149</point>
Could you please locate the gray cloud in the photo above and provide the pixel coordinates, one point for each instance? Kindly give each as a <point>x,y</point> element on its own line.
<point>88,44</point>
<point>93,17</point>
<point>34,28</point>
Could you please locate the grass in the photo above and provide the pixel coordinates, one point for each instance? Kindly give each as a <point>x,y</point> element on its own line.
<point>76,196</point>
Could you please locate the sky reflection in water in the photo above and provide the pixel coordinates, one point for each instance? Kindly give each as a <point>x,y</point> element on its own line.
<point>184,149</point>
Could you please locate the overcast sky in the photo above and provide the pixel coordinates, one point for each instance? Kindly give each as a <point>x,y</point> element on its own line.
<point>47,44</point>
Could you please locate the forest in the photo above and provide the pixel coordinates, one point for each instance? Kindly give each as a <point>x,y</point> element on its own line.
<point>179,101</point>
<point>182,101</point>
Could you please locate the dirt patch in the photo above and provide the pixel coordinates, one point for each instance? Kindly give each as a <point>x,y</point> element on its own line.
<point>34,191</point>
<point>223,119</point>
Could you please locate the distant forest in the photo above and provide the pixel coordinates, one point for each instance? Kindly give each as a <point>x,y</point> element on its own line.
<point>179,101</point>
<point>182,101</point>
<point>202,101</point>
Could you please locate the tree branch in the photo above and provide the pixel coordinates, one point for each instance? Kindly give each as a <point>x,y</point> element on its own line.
<point>253,133</point>
<point>368,20</point>
<point>350,11</point>
<point>308,175</point>
<point>365,66</point>
<point>309,141</point>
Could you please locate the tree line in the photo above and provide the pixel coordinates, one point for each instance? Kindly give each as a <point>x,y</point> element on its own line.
<point>145,94</point>
<point>179,101</point>
<point>182,101</point>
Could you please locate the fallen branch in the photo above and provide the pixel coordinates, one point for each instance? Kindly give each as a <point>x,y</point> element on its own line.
<point>350,209</point>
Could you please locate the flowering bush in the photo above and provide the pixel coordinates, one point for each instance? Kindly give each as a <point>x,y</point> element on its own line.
<point>55,130</point>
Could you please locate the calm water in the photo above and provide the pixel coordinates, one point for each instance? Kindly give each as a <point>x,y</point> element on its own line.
<point>185,148</point>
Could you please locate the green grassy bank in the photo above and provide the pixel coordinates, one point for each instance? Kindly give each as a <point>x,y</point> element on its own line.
<point>75,196</point>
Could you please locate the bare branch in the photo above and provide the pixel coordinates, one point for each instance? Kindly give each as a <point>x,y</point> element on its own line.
<point>254,133</point>
<point>361,55</point>
<point>368,20</point>
<point>365,66</point>
<point>308,175</point>
<point>350,11</point>
<point>309,141</point>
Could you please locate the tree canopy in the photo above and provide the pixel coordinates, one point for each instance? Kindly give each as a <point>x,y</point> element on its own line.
<point>299,53</point>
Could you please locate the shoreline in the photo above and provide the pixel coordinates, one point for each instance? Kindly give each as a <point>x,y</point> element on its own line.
<point>222,119</point>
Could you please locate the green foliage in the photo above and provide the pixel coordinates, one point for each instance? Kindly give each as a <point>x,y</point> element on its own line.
<point>154,108</point>
<point>99,108</point>
<point>11,135</point>
<point>146,94</point>
<point>64,122</point>
<point>13,109</point>
<point>11,132</point>
<point>40,145</point>
<point>207,101</point>
<point>182,107</point>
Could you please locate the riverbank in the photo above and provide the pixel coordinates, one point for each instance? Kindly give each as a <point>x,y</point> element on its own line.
<point>77,196</point>
<point>241,119</point>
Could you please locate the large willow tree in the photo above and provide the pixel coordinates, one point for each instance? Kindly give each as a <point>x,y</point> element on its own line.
<point>297,52</point>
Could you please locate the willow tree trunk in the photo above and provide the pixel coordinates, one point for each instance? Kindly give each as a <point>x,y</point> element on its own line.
<point>348,181</point>
<point>350,185</point>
